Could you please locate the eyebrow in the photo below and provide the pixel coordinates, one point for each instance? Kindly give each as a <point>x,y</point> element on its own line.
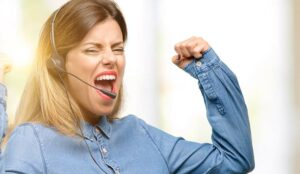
<point>100,45</point>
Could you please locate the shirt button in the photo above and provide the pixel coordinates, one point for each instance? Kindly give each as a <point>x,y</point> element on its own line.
<point>198,63</point>
<point>97,130</point>
<point>104,150</point>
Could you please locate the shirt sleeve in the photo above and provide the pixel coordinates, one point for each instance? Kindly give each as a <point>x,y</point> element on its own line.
<point>3,115</point>
<point>231,149</point>
<point>23,153</point>
<point>3,120</point>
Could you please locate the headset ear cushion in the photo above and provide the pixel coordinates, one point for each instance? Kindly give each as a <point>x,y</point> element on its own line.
<point>56,63</point>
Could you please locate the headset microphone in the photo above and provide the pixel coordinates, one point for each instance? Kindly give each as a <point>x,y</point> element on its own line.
<point>58,61</point>
<point>106,92</point>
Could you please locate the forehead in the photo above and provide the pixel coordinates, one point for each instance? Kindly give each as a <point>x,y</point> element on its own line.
<point>104,32</point>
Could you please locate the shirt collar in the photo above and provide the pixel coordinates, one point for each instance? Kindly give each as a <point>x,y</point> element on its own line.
<point>103,125</point>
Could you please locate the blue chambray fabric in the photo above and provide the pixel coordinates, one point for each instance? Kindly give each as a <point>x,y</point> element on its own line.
<point>3,116</point>
<point>3,119</point>
<point>131,146</point>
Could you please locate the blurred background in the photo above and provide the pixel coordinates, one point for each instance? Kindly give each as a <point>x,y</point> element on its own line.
<point>258,39</point>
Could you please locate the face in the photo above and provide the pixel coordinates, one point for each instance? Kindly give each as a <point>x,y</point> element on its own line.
<point>99,60</point>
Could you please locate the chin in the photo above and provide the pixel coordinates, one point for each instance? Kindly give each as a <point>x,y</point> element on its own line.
<point>105,111</point>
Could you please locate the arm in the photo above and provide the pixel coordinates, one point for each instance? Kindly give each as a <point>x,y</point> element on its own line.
<point>3,96</point>
<point>23,152</point>
<point>5,67</point>
<point>3,120</point>
<point>231,151</point>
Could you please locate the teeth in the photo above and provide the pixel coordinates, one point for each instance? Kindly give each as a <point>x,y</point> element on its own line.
<point>106,77</point>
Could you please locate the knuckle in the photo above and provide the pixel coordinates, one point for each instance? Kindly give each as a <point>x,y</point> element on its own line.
<point>195,51</point>
<point>182,46</point>
<point>200,39</point>
<point>177,46</point>
<point>189,45</point>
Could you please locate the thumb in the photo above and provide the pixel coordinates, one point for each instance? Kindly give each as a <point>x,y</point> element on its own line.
<point>180,61</point>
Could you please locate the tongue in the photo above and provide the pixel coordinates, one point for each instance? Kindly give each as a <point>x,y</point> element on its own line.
<point>104,85</point>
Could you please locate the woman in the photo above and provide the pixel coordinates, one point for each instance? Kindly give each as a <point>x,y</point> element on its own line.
<point>66,121</point>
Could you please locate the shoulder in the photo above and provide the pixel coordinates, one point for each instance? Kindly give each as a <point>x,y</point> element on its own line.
<point>31,134</point>
<point>29,131</point>
<point>27,135</point>
<point>129,121</point>
<point>23,136</point>
<point>134,125</point>
<point>129,124</point>
<point>25,131</point>
<point>24,145</point>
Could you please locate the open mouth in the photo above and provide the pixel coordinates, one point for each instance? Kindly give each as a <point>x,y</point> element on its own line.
<point>106,82</point>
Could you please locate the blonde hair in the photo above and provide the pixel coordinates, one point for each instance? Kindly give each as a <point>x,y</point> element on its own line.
<point>45,99</point>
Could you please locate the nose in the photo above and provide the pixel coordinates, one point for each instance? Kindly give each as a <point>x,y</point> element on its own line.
<point>108,58</point>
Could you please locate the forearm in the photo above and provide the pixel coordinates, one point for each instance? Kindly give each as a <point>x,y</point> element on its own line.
<point>3,115</point>
<point>3,120</point>
<point>226,110</point>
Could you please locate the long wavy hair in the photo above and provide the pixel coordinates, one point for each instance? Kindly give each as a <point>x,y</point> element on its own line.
<point>44,99</point>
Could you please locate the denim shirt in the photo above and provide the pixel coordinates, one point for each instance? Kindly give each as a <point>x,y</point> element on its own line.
<point>131,146</point>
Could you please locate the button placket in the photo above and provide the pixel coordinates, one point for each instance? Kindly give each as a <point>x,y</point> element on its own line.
<point>97,157</point>
<point>198,63</point>
<point>104,151</point>
<point>97,130</point>
<point>97,133</point>
<point>117,171</point>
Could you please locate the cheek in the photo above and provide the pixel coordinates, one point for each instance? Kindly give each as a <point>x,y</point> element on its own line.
<point>79,64</point>
<point>121,67</point>
<point>75,65</point>
<point>76,88</point>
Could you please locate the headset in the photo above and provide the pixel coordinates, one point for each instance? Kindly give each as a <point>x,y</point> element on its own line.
<point>56,59</point>
<point>59,63</point>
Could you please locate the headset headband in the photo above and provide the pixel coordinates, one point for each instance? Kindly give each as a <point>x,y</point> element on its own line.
<point>52,33</point>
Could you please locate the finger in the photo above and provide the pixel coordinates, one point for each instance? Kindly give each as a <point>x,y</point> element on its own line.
<point>204,44</point>
<point>7,68</point>
<point>176,60</point>
<point>181,48</point>
<point>5,63</point>
<point>184,49</point>
<point>182,62</point>
<point>194,48</point>
<point>177,48</point>
<point>189,45</point>
<point>201,47</point>
<point>197,51</point>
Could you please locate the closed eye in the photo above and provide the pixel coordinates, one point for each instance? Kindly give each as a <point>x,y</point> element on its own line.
<point>118,51</point>
<point>91,51</point>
